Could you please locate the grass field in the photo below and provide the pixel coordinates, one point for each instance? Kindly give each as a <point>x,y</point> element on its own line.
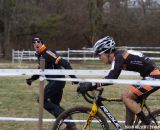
<point>19,100</point>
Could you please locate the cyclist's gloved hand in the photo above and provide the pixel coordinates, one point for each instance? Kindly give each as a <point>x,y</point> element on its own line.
<point>75,82</point>
<point>29,81</point>
<point>84,87</point>
<point>33,78</point>
<point>74,77</point>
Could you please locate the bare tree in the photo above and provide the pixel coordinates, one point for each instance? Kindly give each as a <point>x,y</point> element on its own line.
<point>8,14</point>
<point>77,23</point>
<point>95,17</point>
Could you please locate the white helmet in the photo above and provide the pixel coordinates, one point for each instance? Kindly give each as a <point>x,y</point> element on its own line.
<point>105,44</point>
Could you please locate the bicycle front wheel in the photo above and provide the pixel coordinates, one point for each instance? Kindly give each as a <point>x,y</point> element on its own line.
<point>77,116</point>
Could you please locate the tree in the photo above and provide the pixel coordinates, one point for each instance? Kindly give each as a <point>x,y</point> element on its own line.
<point>95,17</point>
<point>8,10</point>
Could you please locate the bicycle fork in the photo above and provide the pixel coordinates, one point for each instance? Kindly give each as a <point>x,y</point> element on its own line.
<point>91,116</point>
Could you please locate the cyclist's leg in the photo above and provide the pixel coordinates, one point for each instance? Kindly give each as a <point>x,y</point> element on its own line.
<point>140,91</point>
<point>129,118</point>
<point>129,98</point>
<point>53,96</point>
<point>52,104</point>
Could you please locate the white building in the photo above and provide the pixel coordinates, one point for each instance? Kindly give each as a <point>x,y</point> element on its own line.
<point>150,4</point>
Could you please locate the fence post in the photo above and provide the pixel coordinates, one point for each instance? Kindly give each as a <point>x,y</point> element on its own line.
<point>68,54</point>
<point>21,56</point>
<point>12,56</point>
<point>41,95</point>
<point>84,56</point>
<point>29,55</point>
<point>18,56</point>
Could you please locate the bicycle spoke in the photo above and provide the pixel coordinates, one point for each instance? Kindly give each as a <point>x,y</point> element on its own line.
<point>77,118</point>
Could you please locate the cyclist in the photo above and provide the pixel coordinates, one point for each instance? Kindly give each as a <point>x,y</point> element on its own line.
<point>54,89</point>
<point>125,60</point>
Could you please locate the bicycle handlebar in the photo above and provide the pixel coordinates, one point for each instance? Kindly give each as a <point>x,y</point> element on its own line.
<point>90,97</point>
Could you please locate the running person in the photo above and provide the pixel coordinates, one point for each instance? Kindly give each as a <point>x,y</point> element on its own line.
<point>54,89</point>
<point>126,60</point>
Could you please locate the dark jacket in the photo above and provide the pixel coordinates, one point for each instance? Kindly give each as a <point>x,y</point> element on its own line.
<point>52,61</point>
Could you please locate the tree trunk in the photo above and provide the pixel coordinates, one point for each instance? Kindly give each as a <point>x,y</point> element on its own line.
<point>7,45</point>
<point>143,8</point>
<point>9,13</point>
<point>95,17</point>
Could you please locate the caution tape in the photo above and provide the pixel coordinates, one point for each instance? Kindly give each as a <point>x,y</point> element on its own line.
<point>19,72</point>
<point>154,82</point>
<point>44,120</point>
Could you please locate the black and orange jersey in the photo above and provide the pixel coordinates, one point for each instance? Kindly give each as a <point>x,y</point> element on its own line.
<point>53,61</point>
<point>132,61</point>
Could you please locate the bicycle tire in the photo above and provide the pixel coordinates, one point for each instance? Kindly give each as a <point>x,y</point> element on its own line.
<point>81,113</point>
<point>156,115</point>
<point>153,126</point>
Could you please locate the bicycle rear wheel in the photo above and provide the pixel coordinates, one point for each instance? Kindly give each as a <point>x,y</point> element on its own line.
<point>155,124</point>
<point>156,115</point>
<point>79,116</point>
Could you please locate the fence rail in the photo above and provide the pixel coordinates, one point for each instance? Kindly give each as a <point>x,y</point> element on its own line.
<point>84,55</point>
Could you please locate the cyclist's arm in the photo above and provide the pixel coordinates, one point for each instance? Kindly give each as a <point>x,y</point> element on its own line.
<point>58,60</point>
<point>35,77</point>
<point>115,71</point>
<point>64,63</point>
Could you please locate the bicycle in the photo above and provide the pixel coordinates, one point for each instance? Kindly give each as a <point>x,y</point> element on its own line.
<point>89,118</point>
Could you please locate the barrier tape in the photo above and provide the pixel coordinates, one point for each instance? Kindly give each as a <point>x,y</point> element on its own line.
<point>24,119</point>
<point>18,72</point>
<point>154,82</point>
<point>44,120</point>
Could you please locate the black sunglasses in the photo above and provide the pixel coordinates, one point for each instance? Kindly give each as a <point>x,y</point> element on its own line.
<point>36,42</point>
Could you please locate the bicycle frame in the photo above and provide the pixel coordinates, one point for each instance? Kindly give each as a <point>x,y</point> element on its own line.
<point>98,104</point>
<point>111,117</point>
<point>95,116</point>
